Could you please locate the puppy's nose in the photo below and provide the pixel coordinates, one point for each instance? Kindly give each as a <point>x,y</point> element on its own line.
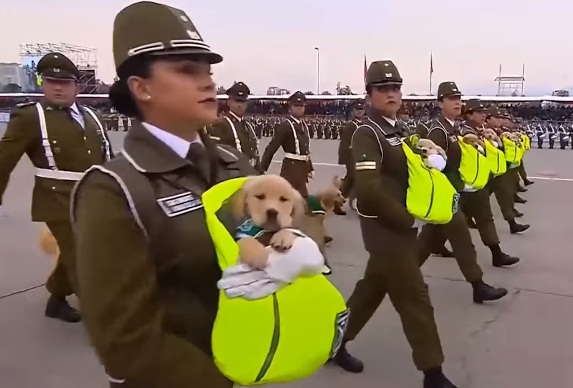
<point>272,214</point>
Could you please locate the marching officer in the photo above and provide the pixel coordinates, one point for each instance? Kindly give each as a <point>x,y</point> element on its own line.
<point>540,133</point>
<point>444,133</point>
<point>345,152</point>
<point>294,138</point>
<point>62,140</point>
<point>148,276</point>
<point>389,232</point>
<point>233,130</point>
<point>503,186</point>
<point>476,204</point>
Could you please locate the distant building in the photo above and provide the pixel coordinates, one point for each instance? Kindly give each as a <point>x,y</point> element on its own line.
<point>275,91</point>
<point>12,73</point>
<point>560,93</point>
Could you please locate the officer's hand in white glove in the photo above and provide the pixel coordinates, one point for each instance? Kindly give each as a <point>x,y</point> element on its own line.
<point>418,224</point>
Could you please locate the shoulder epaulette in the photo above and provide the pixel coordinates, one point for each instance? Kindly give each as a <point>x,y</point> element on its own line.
<point>24,104</point>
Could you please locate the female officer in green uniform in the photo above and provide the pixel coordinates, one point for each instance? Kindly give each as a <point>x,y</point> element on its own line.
<point>147,268</point>
<point>389,232</point>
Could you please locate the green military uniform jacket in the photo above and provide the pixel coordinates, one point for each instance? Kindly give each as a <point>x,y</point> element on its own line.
<point>237,133</point>
<point>381,184</point>
<point>147,267</point>
<point>344,153</point>
<point>445,135</point>
<point>74,149</point>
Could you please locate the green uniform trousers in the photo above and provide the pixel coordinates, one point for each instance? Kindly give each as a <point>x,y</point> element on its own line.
<point>477,206</point>
<point>62,281</point>
<point>503,187</point>
<point>458,233</point>
<point>522,172</point>
<point>396,272</point>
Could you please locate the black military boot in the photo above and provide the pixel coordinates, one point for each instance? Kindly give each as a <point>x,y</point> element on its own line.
<point>58,308</point>
<point>518,199</point>
<point>517,213</point>
<point>435,378</point>
<point>527,182</point>
<point>514,227</point>
<point>328,239</point>
<point>483,292</point>
<point>348,362</point>
<point>501,259</point>
<point>521,189</point>
<point>443,252</point>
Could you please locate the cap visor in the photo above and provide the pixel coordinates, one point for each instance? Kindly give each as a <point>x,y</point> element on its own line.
<point>238,98</point>
<point>210,57</point>
<point>59,76</point>
<point>385,83</point>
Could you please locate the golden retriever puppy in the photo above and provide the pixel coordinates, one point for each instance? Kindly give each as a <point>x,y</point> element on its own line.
<point>428,147</point>
<point>48,243</point>
<point>491,135</point>
<point>473,140</point>
<point>271,205</point>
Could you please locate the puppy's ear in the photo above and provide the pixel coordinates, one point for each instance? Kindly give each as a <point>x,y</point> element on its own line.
<point>239,203</point>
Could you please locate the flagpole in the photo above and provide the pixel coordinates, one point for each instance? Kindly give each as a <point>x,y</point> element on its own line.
<point>431,72</point>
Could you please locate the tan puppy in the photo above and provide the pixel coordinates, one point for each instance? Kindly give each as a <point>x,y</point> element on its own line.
<point>491,135</point>
<point>473,140</point>
<point>48,244</point>
<point>313,222</point>
<point>273,205</point>
<point>428,147</point>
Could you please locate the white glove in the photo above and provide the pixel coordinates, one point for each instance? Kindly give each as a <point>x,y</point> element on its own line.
<point>418,224</point>
<point>469,189</point>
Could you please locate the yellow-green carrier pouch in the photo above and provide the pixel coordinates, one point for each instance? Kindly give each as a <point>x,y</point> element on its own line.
<point>281,338</point>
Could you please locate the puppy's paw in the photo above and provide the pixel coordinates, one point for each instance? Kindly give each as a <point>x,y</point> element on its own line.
<point>253,253</point>
<point>283,240</point>
<point>257,261</point>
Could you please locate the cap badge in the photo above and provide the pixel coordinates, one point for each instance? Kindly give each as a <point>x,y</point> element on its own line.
<point>56,70</point>
<point>193,35</point>
<point>388,75</point>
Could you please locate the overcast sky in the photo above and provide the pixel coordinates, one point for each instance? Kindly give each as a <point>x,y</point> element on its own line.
<point>271,43</point>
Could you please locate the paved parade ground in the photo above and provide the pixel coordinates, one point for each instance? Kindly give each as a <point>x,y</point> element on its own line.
<point>522,341</point>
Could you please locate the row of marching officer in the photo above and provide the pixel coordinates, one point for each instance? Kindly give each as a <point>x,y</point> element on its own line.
<point>412,195</point>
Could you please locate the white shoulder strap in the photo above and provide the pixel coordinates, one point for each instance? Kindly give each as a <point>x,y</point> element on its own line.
<point>106,143</point>
<point>45,140</point>
<point>237,140</point>
<point>296,142</point>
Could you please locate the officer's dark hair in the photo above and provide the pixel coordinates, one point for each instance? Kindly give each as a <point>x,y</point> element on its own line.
<point>119,93</point>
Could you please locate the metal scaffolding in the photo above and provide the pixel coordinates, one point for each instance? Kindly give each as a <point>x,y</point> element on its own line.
<point>84,58</point>
<point>510,85</point>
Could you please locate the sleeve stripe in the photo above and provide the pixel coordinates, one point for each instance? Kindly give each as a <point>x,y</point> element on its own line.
<point>366,164</point>
<point>362,168</point>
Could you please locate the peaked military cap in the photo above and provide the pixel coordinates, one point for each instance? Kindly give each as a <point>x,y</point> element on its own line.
<point>504,114</point>
<point>297,98</point>
<point>56,65</point>
<point>475,105</point>
<point>239,91</point>
<point>448,89</point>
<point>493,111</point>
<point>151,28</point>
<point>383,73</point>
<point>358,104</point>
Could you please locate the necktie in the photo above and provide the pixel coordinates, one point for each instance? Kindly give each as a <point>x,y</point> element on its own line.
<point>199,158</point>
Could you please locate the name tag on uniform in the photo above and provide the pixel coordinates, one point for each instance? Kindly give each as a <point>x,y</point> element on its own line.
<point>394,141</point>
<point>179,204</point>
